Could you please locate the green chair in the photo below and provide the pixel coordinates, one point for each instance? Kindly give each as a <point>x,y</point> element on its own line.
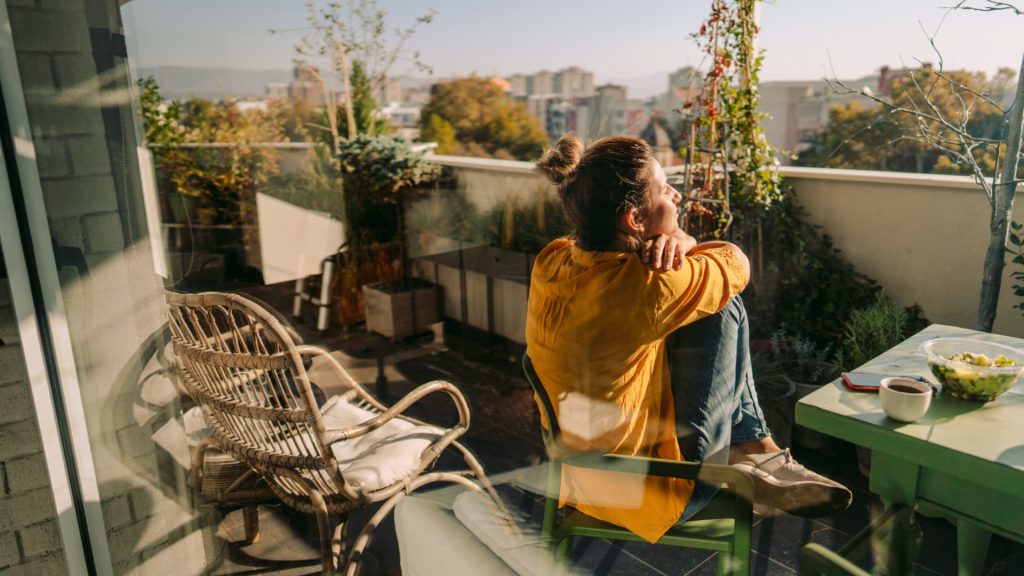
<point>896,523</point>
<point>723,526</point>
<point>816,560</point>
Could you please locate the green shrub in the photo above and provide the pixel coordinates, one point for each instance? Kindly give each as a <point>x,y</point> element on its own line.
<point>801,359</point>
<point>816,289</point>
<point>872,330</point>
<point>377,173</point>
<point>317,187</point>
<point>526,226</point>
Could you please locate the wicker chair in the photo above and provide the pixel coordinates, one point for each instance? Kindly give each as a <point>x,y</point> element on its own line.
<point>220,480</point>
<point>241,366</point>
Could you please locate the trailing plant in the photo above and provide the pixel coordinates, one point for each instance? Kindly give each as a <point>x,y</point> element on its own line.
<point>871,331</point>
<point>806,284</point>
<point>378,174</point>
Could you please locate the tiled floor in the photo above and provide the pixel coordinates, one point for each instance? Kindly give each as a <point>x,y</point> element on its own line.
<point>504,434</point>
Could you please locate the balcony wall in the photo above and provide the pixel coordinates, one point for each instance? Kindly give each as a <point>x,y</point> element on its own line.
<point>922,237</point>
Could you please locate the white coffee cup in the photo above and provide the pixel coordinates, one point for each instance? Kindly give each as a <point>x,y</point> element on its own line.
<point>904,399</point>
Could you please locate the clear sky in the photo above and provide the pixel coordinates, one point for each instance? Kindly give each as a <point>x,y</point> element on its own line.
<point>617,40</point>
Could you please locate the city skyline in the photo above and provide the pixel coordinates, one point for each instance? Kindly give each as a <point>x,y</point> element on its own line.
<point>804,40</point>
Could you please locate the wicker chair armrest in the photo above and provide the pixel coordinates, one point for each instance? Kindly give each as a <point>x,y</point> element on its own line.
<point>198,455</point>
<point>339,370</point>
<point>738,480</point>
<point>337,435</point>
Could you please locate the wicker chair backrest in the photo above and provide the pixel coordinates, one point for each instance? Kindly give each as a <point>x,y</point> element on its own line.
<point>240,365</point>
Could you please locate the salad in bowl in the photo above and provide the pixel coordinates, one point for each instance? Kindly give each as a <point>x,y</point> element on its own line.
<point>973,369</point>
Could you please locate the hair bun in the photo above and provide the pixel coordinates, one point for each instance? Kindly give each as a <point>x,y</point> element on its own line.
<point>560,161</point>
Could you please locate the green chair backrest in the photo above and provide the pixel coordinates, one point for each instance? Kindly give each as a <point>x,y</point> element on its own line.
<point>550,435</point>
<point>552,431</point>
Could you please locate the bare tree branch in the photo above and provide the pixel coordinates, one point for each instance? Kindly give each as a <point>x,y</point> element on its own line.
<point>993,6</point>
<point>930,126</point>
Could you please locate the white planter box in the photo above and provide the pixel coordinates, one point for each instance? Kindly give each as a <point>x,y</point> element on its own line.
<point>391,313</point>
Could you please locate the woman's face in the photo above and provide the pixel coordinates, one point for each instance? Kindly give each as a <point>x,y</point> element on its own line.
<point>663,218</point>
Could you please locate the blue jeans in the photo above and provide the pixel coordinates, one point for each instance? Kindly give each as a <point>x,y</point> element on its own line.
<point>713,390</point>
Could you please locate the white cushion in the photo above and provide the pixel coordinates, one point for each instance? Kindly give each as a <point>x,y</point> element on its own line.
<point>370,462</point>
<point>521,548</point>
<point>382,457</point>
<point>432,542</point>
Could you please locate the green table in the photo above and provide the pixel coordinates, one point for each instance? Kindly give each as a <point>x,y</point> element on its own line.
<point>963,461</point>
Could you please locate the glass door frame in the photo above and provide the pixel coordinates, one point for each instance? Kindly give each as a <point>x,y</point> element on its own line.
<point>42,326</point>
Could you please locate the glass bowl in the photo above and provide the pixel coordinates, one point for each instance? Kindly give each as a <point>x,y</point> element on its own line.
<point>962,379</point>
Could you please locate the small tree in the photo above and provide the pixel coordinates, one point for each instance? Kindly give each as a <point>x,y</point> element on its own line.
<point>485,121</point>
<point>220,180</point>
<point>160,120</point>
<point>347,31</point>
<point>950,132</point>
<point>874,139</point>
<point>365,112</point>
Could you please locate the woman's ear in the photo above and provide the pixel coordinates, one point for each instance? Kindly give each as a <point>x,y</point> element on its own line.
<point>633,222</point>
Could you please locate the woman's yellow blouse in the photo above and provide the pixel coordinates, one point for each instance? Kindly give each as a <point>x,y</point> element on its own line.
<point>595,331</point>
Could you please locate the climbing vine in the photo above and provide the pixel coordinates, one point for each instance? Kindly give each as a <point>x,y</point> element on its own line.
<point>723,127</point>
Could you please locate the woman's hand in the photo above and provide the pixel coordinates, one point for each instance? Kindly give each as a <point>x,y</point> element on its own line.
<point>667,252</point>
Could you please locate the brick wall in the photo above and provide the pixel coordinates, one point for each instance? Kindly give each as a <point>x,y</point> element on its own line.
<point>85,139</point>
<point>29,539</point>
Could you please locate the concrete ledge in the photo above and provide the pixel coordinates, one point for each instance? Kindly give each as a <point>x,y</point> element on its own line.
<point>489,164</point>
<point>878,177</point>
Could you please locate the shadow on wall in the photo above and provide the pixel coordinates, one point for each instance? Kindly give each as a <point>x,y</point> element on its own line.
<point>152,517</point>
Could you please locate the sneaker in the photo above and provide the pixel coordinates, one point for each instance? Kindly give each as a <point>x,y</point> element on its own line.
<point>781,482</point>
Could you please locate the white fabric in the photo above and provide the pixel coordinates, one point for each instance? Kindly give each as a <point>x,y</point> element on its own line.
<point>432,542</point>
<point>195,426</point>
<point>382,457</point>
<point>519,547</point>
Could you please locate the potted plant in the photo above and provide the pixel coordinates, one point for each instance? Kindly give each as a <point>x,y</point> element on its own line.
<point>378,174</point>
<point>869,332</point>
<point>806,365</point>
<point>775,393</point>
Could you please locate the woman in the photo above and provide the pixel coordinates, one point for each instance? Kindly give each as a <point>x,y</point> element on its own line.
<point>640,338</point>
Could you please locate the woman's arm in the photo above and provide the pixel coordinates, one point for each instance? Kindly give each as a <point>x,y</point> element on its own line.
<point>667,252</point>
<point>744,261</point>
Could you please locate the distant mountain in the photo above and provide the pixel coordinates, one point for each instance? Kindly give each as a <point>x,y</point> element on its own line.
<point>184,83</point>
<point>411,82</point>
